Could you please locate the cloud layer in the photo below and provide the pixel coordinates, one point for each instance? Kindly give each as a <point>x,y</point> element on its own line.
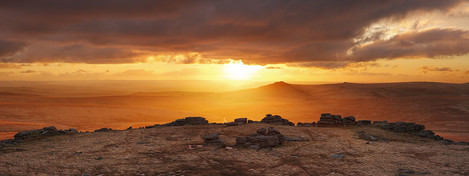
<point>259,32</point>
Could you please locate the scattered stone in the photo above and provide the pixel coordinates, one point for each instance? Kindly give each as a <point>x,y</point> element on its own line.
<point>338,156</point>
<point>104,130</point>
<point>276,120</point>
<point>262,139</point>
<point>229,148</point>
<point>99,158</point>
<point>143,142</point>
<point>212,139</point>
<point>405,172</point>
<point>188,121</point>
<point>363,135</point>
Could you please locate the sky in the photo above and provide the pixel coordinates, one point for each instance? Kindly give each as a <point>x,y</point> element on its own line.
<point>261,40</point>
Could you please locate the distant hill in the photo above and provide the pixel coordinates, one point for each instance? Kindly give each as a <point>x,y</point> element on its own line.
<point>443,107</point>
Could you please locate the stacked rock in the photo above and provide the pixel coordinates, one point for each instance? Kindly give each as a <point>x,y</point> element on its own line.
<point>188,121</point>
<point>212,139</point>
<point>350,120</point>
<point>262,139</point>
<point>327,120</point>
<point>238,121</point>
<point>276,120</point>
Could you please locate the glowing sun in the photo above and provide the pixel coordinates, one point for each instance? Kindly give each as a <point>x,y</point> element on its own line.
<point>236,70</point>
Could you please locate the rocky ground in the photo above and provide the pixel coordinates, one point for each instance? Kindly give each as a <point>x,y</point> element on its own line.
<point>179,150</point>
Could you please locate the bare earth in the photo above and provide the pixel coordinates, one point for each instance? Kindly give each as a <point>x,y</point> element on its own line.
<point>165,150</point>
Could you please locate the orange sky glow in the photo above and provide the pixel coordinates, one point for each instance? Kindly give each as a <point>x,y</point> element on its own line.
<point>429,41</point>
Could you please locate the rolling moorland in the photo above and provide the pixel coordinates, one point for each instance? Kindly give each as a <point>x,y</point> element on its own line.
<point>441,107</point>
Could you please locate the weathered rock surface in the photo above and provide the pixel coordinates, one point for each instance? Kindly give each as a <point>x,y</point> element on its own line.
<point>363,123</point>
<point>276,120</point>
<point>103,130</point>
<point>363,135</point>
<point>348,121</point>
<point>238,121</point>
<point>262,139</point>
<point>46,131</point>
<point>188,121</point>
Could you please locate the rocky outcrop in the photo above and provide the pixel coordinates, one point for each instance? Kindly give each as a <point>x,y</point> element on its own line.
<point>410,128</point>
<point>46,131</point>
<point>348,121</point>
<point>262,139</point>
<point>238,121</point>
<point>276,120</point>
<point>188,121</point>
<point>104,130</point>
<point>329,120</point>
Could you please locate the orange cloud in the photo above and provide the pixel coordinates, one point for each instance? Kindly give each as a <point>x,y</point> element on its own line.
<point>426,69</point>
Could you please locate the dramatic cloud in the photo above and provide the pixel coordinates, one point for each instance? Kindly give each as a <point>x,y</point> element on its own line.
<point>72,54</point>
<point>426,69</point>
<point>258,32</point>
<point>9,48</point>
<point>423,44</point>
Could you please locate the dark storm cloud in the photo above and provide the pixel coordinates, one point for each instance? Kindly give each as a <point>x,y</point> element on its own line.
<point>259,32</point>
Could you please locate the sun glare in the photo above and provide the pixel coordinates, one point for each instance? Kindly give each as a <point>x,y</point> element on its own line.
<point>236,70</point>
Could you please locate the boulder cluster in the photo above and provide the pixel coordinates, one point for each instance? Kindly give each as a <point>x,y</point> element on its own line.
<point>263,138</point>
<point>330,120</point>
<point>276,120</point>
<point>411,128</point>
